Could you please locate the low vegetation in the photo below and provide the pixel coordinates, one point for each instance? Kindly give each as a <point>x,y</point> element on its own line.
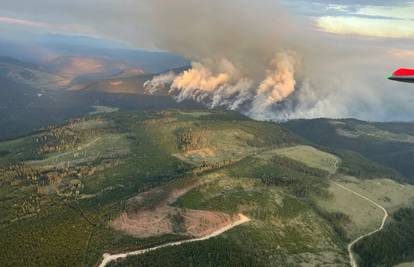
<point>300,179</point>
<point>312,157</point>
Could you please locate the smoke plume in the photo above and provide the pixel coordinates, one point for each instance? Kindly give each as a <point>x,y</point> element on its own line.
<point>225,86</point>
<point>252,56</point>
<point>241,52</point>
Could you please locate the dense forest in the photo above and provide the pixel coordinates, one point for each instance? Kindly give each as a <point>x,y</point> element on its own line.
<point>391,246</point>
<point>298,178</point>
<point>212,252</point>
<point>356,165</point>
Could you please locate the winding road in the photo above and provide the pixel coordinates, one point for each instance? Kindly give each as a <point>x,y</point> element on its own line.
<point>107,258</point>
<point>384,219</point>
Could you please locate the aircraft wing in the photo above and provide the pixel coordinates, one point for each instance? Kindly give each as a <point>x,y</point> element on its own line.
<point>403,75</point>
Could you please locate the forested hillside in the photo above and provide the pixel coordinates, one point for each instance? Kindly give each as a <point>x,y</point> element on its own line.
<point>391,246</point>
<point>125,181</point>
<point>387,144</point>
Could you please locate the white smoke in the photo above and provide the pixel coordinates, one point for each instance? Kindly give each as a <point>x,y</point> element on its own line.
<point>154,85</point>
<point>225,86</point>
<point>279,84</point>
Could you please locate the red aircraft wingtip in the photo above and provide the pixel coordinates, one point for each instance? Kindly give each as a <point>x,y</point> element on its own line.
<point>404,72</point>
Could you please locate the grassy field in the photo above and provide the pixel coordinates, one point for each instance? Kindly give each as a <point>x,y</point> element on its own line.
<point>388,193</point>
<point>308,155</point>
<point>363,216</point>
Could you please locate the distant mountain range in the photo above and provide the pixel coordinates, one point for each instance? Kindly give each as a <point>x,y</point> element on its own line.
<point>34,95</point>
<point>49,49</point>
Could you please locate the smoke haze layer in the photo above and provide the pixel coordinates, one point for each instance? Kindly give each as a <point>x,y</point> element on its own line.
<point>253,56</point>
<point>241,51</point>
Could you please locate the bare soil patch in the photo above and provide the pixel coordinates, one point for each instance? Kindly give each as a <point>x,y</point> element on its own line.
<point>202,223</point>
<point>151,214</point>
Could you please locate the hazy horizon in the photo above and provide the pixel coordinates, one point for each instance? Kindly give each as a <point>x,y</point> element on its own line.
<point>335,55</point>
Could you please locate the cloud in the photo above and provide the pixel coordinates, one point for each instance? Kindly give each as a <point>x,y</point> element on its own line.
<point>22,22</point>
<point>363,2</point>
<point>367,26</point>
<point>44,25</point>
<point>405,12</point>
<point>370,18</point>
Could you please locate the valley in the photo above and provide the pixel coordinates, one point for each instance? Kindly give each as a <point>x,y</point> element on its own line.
<point>206,133</point>
<point>35,96</point>
<point>155,182</point>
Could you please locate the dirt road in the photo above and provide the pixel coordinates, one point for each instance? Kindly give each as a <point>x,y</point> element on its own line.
<point>107,258</point>
<point>352,260</point>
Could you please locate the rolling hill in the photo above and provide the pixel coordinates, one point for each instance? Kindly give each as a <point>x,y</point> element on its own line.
<point>31,75</point>
<point>387,144</point>
<point>124,181</point>
<point>32,97</point>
